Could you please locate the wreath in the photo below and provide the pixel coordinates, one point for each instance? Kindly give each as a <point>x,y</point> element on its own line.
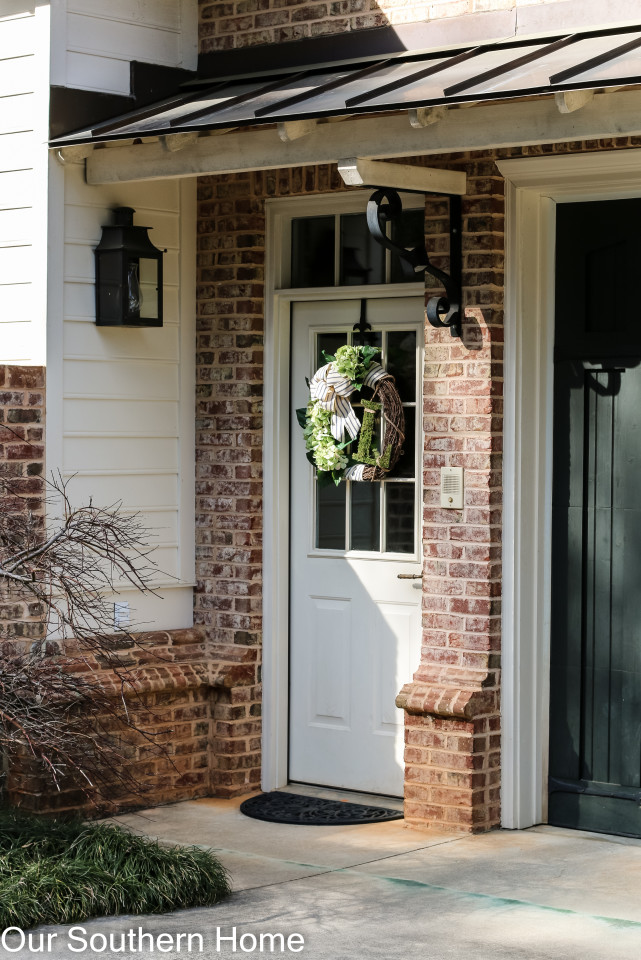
<point>331,426</point>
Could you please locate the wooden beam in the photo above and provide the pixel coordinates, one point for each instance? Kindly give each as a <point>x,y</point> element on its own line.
<point>568,101</point>
<point>376,173</point>
<point>75,154</point>
<point>289,130</point>
<point>426,116</point>
<point>480,128</point>
<point>173,142</point>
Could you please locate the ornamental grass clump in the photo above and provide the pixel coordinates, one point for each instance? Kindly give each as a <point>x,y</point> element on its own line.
<point>61,872</point>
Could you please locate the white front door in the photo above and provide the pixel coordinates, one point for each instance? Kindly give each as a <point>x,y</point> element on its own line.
<point>354,625</point>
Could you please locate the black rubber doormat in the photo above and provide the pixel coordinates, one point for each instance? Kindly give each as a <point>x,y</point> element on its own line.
<point>278,807</point>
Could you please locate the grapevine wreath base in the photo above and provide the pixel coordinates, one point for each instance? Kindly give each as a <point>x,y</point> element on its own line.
<point>393,428</point>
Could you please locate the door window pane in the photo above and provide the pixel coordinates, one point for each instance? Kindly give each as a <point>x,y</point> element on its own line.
<point>380,506</point>
<point>330,517</point>
<point>362,258</point>
<point>401,362</point>
<point>408,233</point>
<point>313,252</point>
<point>328,342</point>
<point>365,518</point>
<point>405,466</point>
<point>399,517</point>
<point>373,338</point>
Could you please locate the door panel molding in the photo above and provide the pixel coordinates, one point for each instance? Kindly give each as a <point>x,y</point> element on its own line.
<point>533,187</point>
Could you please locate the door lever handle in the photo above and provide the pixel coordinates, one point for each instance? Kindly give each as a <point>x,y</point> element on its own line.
<point>409,576</point>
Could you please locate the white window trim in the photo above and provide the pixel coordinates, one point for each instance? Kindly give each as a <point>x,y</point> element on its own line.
<point>278,300</point>
<point>533,187</point>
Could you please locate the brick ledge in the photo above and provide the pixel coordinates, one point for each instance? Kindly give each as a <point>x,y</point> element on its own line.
<point>442,700</point>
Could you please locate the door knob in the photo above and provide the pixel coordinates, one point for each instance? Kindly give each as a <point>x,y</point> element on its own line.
<point>409,576</point>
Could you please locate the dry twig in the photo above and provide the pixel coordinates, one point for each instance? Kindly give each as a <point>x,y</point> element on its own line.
<point>54,708</point>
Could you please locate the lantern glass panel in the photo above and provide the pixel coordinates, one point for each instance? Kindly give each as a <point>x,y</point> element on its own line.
<point>148,282</point>
<point>110,286</point>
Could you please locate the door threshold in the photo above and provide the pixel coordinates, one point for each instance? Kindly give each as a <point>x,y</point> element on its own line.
<point>577,834</point>
<point>348,796</point>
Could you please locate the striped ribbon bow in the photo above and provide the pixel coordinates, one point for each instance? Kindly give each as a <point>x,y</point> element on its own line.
<point>332,390</point>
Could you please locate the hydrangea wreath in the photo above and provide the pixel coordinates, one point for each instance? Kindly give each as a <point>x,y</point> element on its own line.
<point>332,457</point>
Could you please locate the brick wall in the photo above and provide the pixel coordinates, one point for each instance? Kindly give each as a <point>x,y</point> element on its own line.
<point>227,24</point>
<point>185,702</point>
<point>22,411</point>
<point>174,703</point>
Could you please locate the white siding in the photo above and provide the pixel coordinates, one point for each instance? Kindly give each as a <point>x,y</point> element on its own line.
<point>126,418</point>
<point>119,403</point>
<point>102,38</point>
<point>21,56</point>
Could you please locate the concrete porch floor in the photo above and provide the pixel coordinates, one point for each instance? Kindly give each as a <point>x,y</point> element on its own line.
<point>382,890</point>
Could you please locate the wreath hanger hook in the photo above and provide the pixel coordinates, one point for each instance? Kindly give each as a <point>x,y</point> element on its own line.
<point>362,327</point>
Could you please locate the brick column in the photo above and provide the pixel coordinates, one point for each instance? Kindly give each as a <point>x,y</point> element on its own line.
<point>229,442</point>
<point>22,401</point>
<point>452,705</point>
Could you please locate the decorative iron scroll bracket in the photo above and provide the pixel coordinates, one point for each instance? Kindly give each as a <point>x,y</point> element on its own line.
<point>383,207</point>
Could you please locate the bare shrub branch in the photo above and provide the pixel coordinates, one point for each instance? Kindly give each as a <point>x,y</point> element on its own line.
<point>73,722</point>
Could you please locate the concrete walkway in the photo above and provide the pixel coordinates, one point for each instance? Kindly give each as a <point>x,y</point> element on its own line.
<point>383,891</point>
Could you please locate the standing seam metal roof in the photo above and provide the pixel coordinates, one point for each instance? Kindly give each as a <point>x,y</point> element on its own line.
<point>494,71</point>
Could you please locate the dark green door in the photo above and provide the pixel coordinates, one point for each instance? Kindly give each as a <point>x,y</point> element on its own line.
<point>595,713</point>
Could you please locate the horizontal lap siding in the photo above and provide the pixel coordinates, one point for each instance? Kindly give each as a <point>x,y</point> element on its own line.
<point>18,119</point>
<point>122,417</point>
<point>102,39</point>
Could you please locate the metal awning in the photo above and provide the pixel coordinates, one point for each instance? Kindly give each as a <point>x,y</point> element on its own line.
<point>496,71</point>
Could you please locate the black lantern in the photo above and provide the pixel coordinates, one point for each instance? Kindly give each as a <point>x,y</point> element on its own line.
<point>128,275</point>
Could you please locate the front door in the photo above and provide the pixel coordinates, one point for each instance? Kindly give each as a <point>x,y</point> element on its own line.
<point>595,717</point>
<point>354,625</point>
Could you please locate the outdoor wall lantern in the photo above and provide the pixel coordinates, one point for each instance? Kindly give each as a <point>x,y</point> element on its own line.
<point>128,275</point>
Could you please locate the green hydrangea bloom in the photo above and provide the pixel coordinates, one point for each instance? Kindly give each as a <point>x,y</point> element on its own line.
<point>347,361</point>
<point>327,456</point>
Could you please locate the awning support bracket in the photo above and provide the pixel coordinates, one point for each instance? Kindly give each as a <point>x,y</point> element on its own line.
<point>384,207</point>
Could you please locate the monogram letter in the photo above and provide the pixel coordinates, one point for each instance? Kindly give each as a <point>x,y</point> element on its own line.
<point>364,454</point>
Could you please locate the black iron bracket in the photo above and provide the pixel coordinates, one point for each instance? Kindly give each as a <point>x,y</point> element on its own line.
<point>383,207</point>
<point>362,328</point>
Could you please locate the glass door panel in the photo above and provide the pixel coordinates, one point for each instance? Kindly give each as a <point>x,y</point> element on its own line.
<point>375,517</point>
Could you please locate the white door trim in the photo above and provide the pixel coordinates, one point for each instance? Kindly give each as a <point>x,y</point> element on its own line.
<point>533,187</point>
<point>276,457</point>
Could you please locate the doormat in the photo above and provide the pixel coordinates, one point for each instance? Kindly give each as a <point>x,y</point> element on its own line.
<point>278,807</point>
